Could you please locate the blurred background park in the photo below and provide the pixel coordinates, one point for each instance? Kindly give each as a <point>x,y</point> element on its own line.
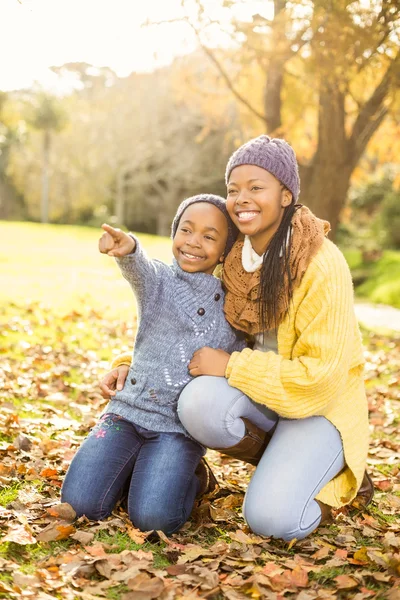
<point>116,111</point>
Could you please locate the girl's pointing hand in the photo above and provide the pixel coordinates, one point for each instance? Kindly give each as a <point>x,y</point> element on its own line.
<point>115,242</point>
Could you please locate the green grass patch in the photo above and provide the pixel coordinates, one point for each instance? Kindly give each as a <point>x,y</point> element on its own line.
<point>379,282</point>
<point>29,556</point>
<point>60,265</point>
<point>116,592</point>
<point>325,576</point>
<point>9,494</point>
<point>121,541</point>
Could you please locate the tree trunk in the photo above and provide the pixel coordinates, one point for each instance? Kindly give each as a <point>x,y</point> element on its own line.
<point>163,218</point>
<point>44,206</point>
<point>324,183</point>
<point>324,189</point>
<point>120,198</point>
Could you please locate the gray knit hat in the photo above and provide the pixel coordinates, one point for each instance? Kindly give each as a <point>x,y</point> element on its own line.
<point>220,203</point>
<point>273,155</point>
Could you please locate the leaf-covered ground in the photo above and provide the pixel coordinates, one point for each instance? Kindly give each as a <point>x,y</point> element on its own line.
<point>50,366</point>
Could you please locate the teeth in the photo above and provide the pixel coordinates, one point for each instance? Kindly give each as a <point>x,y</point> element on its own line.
<point>190,255</point>
<point>247,215</point>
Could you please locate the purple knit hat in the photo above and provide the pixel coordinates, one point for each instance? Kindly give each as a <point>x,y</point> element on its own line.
<point>217,201</point>
<point>273,155</point>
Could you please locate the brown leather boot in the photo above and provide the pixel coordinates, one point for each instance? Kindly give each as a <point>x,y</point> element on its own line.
<point>326,512</point>
<point>366,491</point>
<point>208,482</point>
<point>251,447</point>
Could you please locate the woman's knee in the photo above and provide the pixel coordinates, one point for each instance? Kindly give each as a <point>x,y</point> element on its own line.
<point>196,407</point>
<point>205,407</point>
<point>278,517</point>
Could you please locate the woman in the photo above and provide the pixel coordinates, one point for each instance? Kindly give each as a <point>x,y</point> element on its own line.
<point>294,402</point>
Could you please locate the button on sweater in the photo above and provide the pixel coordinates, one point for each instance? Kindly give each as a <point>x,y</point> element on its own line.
<point>178,313</point>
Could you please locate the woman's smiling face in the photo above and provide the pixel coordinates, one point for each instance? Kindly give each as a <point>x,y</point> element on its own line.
<point>256,201</point>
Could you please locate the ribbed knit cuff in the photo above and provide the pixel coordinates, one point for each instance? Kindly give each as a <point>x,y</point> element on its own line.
<point>122,359</point>
<point>231,363</point>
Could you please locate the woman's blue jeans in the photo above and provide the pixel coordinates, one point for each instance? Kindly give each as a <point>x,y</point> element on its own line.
<point>302,457</point>
<point>157,470</point>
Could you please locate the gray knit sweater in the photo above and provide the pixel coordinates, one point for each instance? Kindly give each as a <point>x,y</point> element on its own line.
<point>178,313</point>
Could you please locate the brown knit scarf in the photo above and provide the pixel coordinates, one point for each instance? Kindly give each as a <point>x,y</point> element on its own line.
<point>242,298</point>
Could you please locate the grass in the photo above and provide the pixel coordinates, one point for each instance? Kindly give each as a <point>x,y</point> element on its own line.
<point>379,281</point>
<point>9,494</point>
<point>118,542</point>
<point>60,266</point>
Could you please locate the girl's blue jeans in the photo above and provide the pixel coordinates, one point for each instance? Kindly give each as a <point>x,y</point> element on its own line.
<point>156,470</point>
<point>302,457</point>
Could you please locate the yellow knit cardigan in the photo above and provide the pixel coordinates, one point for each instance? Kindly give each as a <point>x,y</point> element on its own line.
<point>319,366</point>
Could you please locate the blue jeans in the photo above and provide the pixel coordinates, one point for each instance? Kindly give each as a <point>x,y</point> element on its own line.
<point>157,470</point>
<point>302,457</point>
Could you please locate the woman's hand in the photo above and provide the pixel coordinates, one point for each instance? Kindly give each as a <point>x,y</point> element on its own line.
<point>113,381</point>
<point>115,242</point>
<point>208,361</point>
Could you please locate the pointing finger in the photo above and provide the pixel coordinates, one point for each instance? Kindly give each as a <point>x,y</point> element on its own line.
<point>115,233</point>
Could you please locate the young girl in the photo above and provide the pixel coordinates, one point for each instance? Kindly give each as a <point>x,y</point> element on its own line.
<point>290,288</point>
<point>139,444</point>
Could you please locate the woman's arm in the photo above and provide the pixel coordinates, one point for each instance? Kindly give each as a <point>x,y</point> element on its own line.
<point>325,350</point>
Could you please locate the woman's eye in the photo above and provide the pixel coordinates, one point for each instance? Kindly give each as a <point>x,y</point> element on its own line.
<point>208,237</point>
<point>255,188</point>
<point>230,192</point>
<point>185,230</point>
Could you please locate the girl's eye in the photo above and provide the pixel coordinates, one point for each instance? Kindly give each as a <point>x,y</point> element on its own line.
<point>230,192</point>
<point>208,237</point>
<point>255,188</point>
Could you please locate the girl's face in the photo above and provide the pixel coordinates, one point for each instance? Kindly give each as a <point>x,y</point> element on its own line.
<point>256,201</point>
<point>200,239</point>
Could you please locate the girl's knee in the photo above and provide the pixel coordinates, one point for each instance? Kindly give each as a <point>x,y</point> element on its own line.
<point>148,518</point>
<point>84,505</point>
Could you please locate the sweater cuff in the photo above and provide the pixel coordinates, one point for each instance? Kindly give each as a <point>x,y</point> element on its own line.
<point>231,363</point>
<point>122,359</point>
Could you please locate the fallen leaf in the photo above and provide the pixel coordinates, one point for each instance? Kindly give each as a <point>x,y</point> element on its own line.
<point>345,582</point>
<point>84,537</point>
<point>56,531</point>
<point>19,535</point>
<point>146,587</point>
<point>63,511</point>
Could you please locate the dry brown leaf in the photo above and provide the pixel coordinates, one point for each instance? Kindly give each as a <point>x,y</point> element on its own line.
<point>146,587</point>
<point>56,531</point>
<point>84,537</point>
<point>62,511</point>
<point>139,537</point>
<point>18,534</point>
<point>345,582</point>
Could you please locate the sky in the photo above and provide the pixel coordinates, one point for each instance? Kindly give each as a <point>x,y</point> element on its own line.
<point>37,34</point>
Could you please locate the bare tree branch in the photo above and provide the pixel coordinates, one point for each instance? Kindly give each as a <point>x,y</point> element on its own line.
<point>371,114</point>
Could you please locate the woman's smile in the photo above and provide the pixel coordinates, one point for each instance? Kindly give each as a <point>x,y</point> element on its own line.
<point>244,216</point>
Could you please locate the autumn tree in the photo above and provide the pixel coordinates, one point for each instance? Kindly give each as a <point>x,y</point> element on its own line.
<point>11,134</point>
<point>47,117</point>
<point>336,60</point>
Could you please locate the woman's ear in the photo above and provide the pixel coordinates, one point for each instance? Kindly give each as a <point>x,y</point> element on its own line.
<point>286,197</point>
